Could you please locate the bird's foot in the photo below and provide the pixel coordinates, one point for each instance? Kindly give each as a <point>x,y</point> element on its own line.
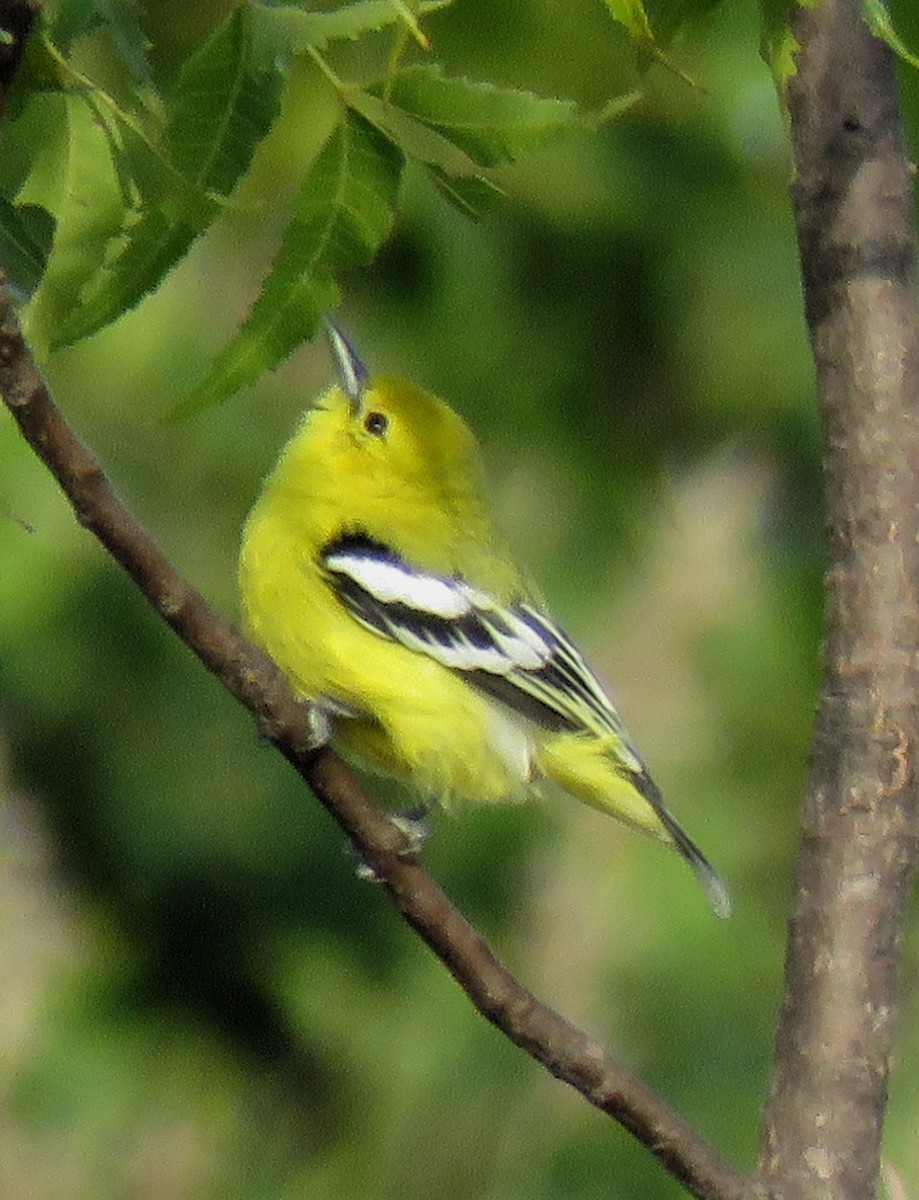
<point>319,720</point>
<point>413,826</point>
<point>322,714</point>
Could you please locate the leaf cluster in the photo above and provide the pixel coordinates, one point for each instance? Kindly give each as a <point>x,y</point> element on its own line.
<point>108,175</point>
<point>105,187</point>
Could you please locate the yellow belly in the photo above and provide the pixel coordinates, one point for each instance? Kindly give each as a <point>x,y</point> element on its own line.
<point>420,722</point>
<point>417,720</point>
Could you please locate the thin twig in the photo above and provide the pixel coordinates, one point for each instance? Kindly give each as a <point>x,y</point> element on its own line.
<point>564,1050</point>
<point>252,678</point>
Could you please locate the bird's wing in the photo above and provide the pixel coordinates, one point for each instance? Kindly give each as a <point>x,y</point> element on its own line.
<point>511,651</point>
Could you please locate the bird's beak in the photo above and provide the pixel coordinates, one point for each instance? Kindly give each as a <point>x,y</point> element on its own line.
<point>352,374</point>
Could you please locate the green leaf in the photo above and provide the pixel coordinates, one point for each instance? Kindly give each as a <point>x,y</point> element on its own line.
<point>669,17</point>
<point>33,147</point>
<point>74,19</point>
<point>410,21</point>
<point>39,71</point>
<point>651,34</point>
<point>474,195</point>
<point>491,124</point>
<point>26,233</point>
<point>343,213</point>
<point>459,180</point>
<point>123,18</point>
<point>222,106</point>
<point>85,197</point>
<point>778,44</point>
<point>79,18</point>
<point>632,15</point>
<point>878,20</point>
<point>287,30</point>
<point>456,175</point>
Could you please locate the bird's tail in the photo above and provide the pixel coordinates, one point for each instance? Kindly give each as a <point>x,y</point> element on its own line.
<point>715,889</point>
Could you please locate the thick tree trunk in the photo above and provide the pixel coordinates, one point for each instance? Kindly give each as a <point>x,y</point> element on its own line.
<point>853,206</point>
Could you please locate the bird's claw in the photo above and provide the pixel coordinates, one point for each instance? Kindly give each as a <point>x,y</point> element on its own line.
<point>414,828</point>
<point>319,720</point>
<point>322,712</point>
<point>412,824</point>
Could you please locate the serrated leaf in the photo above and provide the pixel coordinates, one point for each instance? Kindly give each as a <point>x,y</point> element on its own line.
<point>417,141</point>
<point>458,178</point>
<point>74,19</point>
<point>78,18</point>
<point>454,174</point>
<point>633,16</point>
<point>878,21</point>
<point>88,206</point>
<point>222,107</point>
<point>410,21</point>
<point>343,213</point>
<point>652,35</point>
<point>26,233</point>
<point>474,195</point>
<point>287,30</point>
<point>491,124</point>
<point>778,44</point>
<point>124,19</point>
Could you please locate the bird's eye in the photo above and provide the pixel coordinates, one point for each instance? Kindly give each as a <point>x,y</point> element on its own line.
<point>376,423</point>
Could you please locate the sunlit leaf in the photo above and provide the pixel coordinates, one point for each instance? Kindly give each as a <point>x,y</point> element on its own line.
<point>87,203</point>
<point>417,141</point>
<point>491,124</point>
<point>222,106</point>
<point>879,22</point>
<point>445,154</point>
<point>632,15</point>
<point>410,21</point>
<point>652,32</point>
<point>778,44</point>
<point>455,175</point>
<point>288,30</point>
<point>344,211</point>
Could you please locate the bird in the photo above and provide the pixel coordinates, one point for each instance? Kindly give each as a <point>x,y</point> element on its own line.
<point>372,573</point>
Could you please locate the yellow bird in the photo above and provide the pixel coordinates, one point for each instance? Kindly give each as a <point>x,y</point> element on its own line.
<point>372,574</point>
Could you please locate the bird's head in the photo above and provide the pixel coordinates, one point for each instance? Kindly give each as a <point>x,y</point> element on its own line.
<point>372,446</point>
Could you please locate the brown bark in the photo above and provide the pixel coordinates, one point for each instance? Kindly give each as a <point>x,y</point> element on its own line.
<point>823,1117</point>
<point>853,206</point>
<point>564,1050</point>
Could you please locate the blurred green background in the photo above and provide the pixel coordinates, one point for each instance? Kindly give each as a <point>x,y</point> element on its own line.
<point>198,997</point>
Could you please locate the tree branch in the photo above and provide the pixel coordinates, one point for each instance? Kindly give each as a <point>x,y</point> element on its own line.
<point>853,207</point>
<point>823,1117</point>
<point>564,1050</point>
